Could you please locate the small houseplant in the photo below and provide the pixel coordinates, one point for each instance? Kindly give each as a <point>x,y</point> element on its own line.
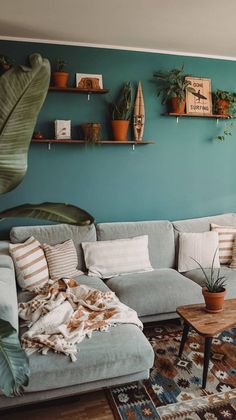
<point>5,62</point>
<point>224,102</point>
<point>121,112</point>
<point>172,86</point>
<point>213,289</point>
<point>60,76</point>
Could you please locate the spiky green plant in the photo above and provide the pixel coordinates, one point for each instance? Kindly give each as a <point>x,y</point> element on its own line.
<point>213,282</point>
<point>122,109</point>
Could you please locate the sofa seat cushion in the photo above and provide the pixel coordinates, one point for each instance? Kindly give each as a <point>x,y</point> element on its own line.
<point>155,292</point>
<point>198,277</point>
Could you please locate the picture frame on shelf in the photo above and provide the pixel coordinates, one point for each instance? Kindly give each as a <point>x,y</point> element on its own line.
<point>89,81</point>
<point>62,129</point>
<point>199,101</point>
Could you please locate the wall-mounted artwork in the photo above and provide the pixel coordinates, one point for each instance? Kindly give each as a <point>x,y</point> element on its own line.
<point>89,81</point>
<point>199,101</point>
<point>139,114</point>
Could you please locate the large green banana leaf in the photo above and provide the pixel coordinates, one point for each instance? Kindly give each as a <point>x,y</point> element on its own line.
<point>14,364</point>
<point>22,93</point>
<point>57,212</point>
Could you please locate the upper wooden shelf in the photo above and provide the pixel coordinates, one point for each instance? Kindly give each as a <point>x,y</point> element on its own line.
<point>70,141</point>
<point>76,90</point>
<point>216,116</point>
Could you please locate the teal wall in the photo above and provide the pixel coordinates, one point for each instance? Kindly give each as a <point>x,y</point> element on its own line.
<point>184,174</point>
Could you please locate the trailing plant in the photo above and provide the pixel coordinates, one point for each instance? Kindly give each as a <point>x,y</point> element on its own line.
<point>213,281</point>
<point>227,132</point>
<point>172,83</point>
<point>122,109</point>
<point>14,363</point>
<point>225,96</point>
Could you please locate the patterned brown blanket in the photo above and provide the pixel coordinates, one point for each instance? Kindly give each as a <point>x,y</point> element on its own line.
<point>61,315</point>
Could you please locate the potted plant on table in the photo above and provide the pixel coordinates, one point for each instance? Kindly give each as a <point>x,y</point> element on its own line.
<point>121,112</point>
<point>224,102</point>
<point>213,289</point>
<point>172,86</point>
<point>60,76</point>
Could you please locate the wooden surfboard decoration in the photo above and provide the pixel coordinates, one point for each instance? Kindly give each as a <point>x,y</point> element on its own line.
<point>139,115</point>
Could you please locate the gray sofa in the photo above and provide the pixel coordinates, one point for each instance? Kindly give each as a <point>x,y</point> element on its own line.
<point>124,354</point>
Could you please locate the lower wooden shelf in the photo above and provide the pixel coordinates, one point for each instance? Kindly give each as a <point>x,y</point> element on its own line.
<point>49,142</point>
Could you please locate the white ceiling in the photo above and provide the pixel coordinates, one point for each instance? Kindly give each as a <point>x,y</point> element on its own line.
<point>202,27</point>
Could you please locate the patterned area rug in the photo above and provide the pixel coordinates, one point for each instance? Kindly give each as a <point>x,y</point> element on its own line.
<point>174,388</point>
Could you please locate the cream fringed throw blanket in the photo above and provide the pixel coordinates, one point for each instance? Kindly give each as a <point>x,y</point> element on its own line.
<point>62,314</point>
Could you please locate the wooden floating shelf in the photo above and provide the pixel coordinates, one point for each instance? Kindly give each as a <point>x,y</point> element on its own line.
<point>76,90</point>
<point>70,141</point>
<point>216,116</point>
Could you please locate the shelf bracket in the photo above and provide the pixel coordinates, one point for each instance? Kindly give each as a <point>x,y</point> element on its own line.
<point>49,146</point>
<point>177,120</point>
<point>88,96</point>
<point>133,147</point>
<point>217,121</point>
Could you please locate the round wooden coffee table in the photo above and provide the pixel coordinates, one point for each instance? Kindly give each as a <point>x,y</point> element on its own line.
<point>207,325</point>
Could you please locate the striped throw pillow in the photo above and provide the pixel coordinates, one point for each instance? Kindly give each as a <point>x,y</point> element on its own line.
<point>226,239</point>
<point>62,260</point>
<point>30,263</point>
<point>233,261</point>
<point>111,258</point>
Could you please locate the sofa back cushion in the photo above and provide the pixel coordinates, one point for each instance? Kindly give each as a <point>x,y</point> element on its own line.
<point>202,224</point>
<point>55,234</point>
<point>160,238</point>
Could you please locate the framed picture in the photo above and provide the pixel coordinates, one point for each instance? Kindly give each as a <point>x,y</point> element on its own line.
<point>62,129</point>
<point>89,81</point>
<point>199,101</point>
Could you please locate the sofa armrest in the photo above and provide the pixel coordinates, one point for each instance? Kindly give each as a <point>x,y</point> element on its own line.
<point>8,294</point>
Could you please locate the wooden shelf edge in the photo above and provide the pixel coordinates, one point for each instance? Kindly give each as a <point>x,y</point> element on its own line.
<point>216,116</point>
<point>70,141</point>
<point>76,90</point>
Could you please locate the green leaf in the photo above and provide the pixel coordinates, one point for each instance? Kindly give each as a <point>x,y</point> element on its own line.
<point>57,212</point>
<point>14,364</point>
<point>22,93</point>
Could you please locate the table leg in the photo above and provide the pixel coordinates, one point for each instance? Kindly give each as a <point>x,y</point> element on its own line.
<point>207,351</point>
<point>184,338</point>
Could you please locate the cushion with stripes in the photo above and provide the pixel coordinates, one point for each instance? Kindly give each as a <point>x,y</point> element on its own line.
<point>111,258</point>
<point>226,239</point>
<point>233,262</point>
<point>62,260</point>
<point>30,264</point>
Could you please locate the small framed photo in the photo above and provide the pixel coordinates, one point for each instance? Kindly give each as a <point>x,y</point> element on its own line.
<point>62,129</point>
<point>199,99</point>
<point>89,81</point>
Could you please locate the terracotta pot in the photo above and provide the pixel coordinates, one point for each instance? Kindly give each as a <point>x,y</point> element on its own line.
<point>60,78</point>
<point>6,67</point>
<point>178,108</point>
<point>214,301</point>
<point>91,132</point>
<point>120,129</point>
<point>222,107</point>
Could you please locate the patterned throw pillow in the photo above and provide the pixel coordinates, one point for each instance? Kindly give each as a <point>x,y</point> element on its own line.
<point>233,261</point>
<point>226,240</point>
<point>111,258</point>
<point>30,263</point>
<point>62,260</point>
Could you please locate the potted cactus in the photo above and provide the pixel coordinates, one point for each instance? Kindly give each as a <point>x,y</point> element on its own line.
<point>60,76</point>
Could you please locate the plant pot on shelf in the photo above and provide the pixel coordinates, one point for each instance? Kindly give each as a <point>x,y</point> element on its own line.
<point>178,107</point>
<point>60,78</point>
<point>91,132</point>
<point>222,107</point>
<point>120,129</point>
<point>214,301</point>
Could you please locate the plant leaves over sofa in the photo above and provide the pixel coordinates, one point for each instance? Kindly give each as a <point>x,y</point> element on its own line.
<point>22,93</point>
<point>14,364</point>
<point>57,212</point>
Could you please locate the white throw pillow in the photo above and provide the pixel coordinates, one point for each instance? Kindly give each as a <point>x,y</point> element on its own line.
<point>226,241</point>
<point>107,259</point>
<point>62,260</point>
<point>201,247</point>
<point>30,264</point>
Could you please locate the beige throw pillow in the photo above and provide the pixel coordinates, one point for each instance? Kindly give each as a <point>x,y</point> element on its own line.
<point>233,261</point>
<point>201,247</point>
<point>226,240</point>
<point>62,260</point>
<point>30,263</point>
<point>111,258</point>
